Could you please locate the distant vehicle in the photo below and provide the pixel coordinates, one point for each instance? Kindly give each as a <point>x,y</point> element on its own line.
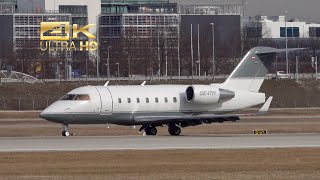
<point>282,75</point>
<point>176,106</point>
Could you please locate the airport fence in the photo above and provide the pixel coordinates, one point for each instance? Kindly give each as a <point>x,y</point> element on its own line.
<point>25,103</point>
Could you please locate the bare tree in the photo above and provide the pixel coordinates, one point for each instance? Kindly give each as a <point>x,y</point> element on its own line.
<point>253,33</point>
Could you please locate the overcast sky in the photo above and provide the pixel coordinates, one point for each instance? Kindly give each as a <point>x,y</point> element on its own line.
<point>301,9</point>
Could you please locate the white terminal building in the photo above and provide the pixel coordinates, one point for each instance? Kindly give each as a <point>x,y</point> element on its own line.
<point>83,11</point>
<point>274,27</point>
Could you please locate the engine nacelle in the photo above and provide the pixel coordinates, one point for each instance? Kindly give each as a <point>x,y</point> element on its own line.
<point>207,94</point>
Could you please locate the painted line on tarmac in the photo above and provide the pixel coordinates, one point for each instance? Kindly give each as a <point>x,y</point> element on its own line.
<point>159,148</point>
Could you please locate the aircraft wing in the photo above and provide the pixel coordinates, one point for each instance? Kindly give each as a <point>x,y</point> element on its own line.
<point>203,117</point>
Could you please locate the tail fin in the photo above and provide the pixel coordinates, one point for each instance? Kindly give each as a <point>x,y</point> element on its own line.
<point>253,68</point>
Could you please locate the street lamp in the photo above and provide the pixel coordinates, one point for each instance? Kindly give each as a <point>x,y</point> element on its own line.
<point>285,24</point>
<point>108,63</point>
<point>191,44</point>
<point>213,60</point>
<point>198,62</point>
<point>118,74</point>
<point>199,49</point>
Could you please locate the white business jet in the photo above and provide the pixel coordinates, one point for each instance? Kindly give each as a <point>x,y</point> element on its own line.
<point>176,106</point>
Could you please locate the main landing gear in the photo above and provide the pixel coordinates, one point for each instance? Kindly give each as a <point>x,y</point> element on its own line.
<point>150,130</point>
<point>66,130</point>
<point>174,130</point>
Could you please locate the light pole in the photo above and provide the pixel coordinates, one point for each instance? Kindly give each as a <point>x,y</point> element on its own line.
<point>159,61</point>
<point>297,68</point>
<point>166,52</point>
<point>213,59</point>
<point>285,24</point>
<point>199,61</point>
<point>191,41</point>
<point>108,63</point>
<point>118,74</point>
<point>316,67</point>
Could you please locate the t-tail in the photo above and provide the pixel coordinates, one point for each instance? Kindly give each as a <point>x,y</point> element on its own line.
<point>253,69</point>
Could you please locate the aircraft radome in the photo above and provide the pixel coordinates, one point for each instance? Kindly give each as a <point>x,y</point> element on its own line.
<point>176,106</point>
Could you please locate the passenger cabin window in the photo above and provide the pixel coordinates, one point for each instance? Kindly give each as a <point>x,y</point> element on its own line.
<point>138,100</point>
<point>156,100</point>
<point>147,100</point>
<point>165,100</point>
<point>129,100</point>
<point>174,99</point>
<point>76,97</point>
<point>119,100</point>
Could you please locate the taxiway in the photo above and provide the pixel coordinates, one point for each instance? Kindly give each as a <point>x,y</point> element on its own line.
<point>101,143</point>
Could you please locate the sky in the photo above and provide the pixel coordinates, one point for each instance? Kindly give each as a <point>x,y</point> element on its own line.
<point>306,10</point>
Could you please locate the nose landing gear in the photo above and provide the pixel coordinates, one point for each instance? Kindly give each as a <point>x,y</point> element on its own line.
<point>66,130</point>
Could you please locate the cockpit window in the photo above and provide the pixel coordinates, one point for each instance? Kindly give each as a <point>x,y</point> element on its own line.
<point>68,97</point>
<point>82,97</point>
<point>76,97</point>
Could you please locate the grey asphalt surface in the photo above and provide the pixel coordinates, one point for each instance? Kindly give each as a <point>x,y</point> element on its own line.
<point>76,143</point>
<point>247,120</point>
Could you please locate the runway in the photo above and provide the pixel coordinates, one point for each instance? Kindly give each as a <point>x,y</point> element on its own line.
<point>29,144</point>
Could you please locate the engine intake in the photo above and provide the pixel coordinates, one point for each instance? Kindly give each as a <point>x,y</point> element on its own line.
<point>204,94</point>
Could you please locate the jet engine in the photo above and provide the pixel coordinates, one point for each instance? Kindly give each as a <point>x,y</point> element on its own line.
<point>207,94</point>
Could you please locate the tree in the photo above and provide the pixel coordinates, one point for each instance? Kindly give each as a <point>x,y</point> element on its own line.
<point>253,33</point>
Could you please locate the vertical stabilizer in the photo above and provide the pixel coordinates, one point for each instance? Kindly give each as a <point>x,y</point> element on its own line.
<point>253,68</point>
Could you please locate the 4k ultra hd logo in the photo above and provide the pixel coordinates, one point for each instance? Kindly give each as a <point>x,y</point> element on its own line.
<point>55,36</point>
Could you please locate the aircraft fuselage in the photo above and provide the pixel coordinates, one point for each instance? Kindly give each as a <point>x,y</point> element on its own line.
<point>121,104</point>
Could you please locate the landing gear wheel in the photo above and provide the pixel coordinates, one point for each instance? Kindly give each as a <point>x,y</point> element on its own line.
<point>65,133</point>
<point>151,131</point>
<point>174,130</point>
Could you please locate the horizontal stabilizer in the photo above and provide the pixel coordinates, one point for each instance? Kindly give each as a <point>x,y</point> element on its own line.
<point>268,50</point>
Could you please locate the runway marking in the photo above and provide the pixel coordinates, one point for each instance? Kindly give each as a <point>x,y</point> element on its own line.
<point>161,148</point>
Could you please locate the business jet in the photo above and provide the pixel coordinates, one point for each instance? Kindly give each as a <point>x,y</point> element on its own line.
<point>174,106</point>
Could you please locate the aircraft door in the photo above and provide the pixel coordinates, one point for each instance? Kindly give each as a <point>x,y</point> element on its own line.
<point>106,101</point>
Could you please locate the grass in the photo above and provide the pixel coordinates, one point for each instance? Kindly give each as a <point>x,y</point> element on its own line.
<point>171,164</point>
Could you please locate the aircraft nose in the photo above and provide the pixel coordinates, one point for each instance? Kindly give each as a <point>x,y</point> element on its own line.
<point>43,114</point>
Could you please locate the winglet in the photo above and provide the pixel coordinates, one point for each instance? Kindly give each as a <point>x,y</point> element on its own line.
<point>144,82</point>
<point>265,108</point>
<point>106,84</point>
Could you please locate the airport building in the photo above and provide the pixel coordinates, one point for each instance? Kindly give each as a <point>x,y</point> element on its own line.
<point>131,32</point>
<point>279,32</point>
<point>7,7</point>
<point>274,27</point>
<point>140,37</point>
<point>164,26</point>
<point>24,30</point>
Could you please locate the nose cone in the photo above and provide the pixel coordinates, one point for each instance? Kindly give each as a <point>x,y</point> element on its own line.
<point>43,114</point>
<point>57,112</point>
<point>51,113</point>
